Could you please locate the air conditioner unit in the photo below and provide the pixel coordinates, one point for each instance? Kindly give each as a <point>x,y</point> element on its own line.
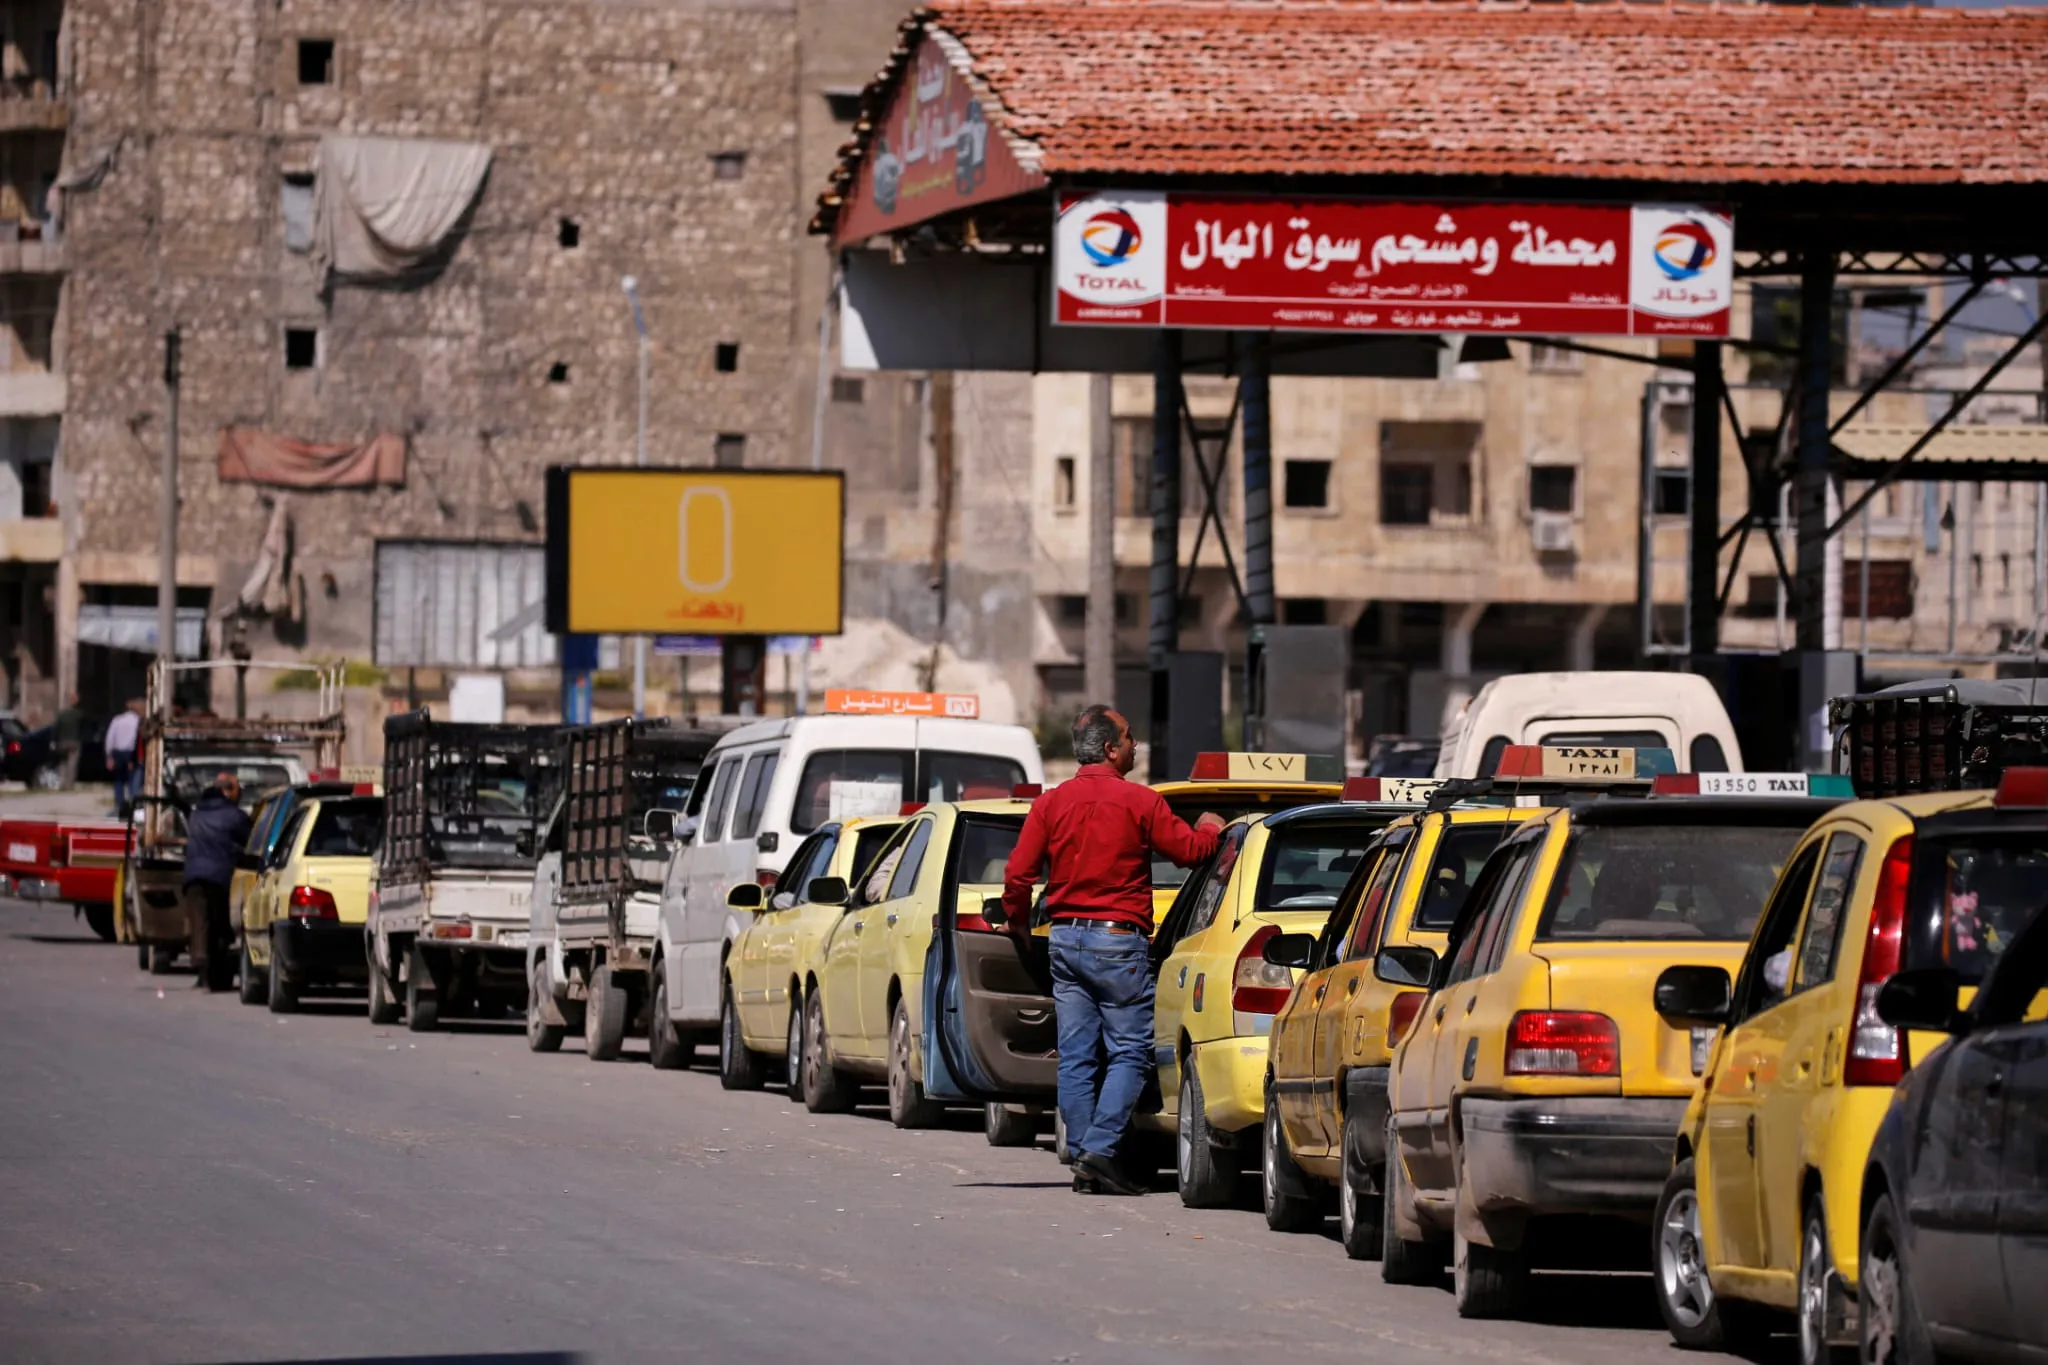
<point>1553,533</point>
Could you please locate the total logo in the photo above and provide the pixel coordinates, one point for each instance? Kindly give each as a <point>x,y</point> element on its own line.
<point>1684,249</point>
<point>1111,237</point>
<point>1109,249</point>
<point>1681,261</point>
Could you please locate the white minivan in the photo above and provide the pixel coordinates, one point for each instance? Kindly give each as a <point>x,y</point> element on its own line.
<point>1676,711</point>
<point>764,787</point>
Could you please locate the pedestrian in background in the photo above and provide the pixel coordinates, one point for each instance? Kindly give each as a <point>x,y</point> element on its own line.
<point>215,832</point>
<point>123,731</point>
<point>1095,836</point>
<point>64,738</point>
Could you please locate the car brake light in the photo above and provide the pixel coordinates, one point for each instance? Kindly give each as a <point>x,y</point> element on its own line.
<point>766,878</point>
<point>2022,788</point>
<point>1258,986</point>
<point>13,746</point>
<point>1027,791</point>
<point>310,902</point>
<point>60,850</point>
<point>1402,1014</point>
<point>1877,1051</point>
<point>1563,1043</point>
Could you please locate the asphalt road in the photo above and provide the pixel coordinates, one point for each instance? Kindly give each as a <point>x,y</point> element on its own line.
<point>185,1179</point>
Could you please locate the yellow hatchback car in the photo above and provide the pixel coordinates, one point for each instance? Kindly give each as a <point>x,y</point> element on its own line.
<point>1229,785</point>
<point>773,956</point>
<point>302,922</point>
<point>1534,1103</point>
<point>1326,1090</point>
<point>1763,1212</point>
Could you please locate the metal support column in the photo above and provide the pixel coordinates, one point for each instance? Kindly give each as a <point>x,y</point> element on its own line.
<point>1705,627</point>
<point>1164,599</point>
<point>1255,395</point>
<point>1821,674</point>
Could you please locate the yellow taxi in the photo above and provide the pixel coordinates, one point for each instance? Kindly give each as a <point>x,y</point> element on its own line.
<point>1234,784</point>
<point>1763,1211</point>
<point>761,1022</point>
<point>302,922</point>
<point>1534,1103</point>
<point>267,820</point>
<point>863,999</point>
<point>1326,1089</point>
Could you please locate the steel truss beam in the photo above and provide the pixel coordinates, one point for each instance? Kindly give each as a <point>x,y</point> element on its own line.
<point>1979,265</point>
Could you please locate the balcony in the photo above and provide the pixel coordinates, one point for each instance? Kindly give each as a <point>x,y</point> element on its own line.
<point>32,393</point>
<point>32,540</point>
<point>32,105</point>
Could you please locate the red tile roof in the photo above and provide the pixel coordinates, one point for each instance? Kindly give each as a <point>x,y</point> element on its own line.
<point>1698,94</point>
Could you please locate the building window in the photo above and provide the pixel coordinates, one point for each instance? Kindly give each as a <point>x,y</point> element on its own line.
<point>316,61</point>
<point>1072,609</point>
<point>568,234</point>
<point>729,451</point>
<point>725,356</point>
<point>728,165</point>
<point>1545,358</point>
<point>1304,611</point>
<point>558,373</point>
<point>1891,589</point>
<point>2004,570</point>
<point>1673,492</point>
<point>1131,444</point>
<point>1553,488</point>
<point>35,487</point>
<point>1762,600</point>
<point>849,388</point>
<point>1305,483</point>
<point>844,102</point>
<point>1426,472</point>
<point>301,348</point>
<point>1063,483</point>
<point>295,203</point>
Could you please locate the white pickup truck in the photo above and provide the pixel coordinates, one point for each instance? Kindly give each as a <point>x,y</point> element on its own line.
<point>448,921</point>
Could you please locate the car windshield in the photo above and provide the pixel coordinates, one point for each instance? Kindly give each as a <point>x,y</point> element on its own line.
<point>1166,874</point>
<point>346,829</point>
<point>1665,881</point>
<point>1307,863</point>
<point>188,781</point>
<point>840,784</point>
<point>478,801</point>
<point>1974,894</point>
<point>1460,853</point>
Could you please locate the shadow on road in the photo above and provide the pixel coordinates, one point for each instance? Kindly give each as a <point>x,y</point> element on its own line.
<point>1621,1302</point>
<point>517,1358</point>
<point>1014,1185</point>
<point>63,940</point>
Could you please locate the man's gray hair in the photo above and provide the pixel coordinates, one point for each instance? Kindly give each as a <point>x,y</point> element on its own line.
<point>1095,731</point>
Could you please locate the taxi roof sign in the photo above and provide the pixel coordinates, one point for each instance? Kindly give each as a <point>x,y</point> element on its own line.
<point>1584,762</point>
<point>1752,784</point>
<point>1253,767</point>
<point>1394,791</point>
<point>841,701</point>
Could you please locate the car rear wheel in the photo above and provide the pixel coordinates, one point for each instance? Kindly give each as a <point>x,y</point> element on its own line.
<point>1813,1292</point>
<point>908,1107</point>
<point>422,1001</point>
<point>665,1047</point>
<point>255,988</point>
<point>541,1036</point>
<point>1290,1202</point>
<point>1403,1261</point>
<point>1208,1176</point>
<point>1891,1330</point>
<point>604,1017</point>
<point>739,1066</point>
<point>1488,1282</point>
<point>826,1091</point>
<point>1008,1125</point>
<point>160,959</point>
<point>384,1008</point>
<point>793,1054</point>
<point>284,992</point>
<point>1359,1209</point>
<point>99,917</point>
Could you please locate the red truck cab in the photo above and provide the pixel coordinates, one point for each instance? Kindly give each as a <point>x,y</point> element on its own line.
<point>49,859</point>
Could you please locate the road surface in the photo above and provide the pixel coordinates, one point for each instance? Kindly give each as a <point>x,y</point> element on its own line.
<point>185,1179</point>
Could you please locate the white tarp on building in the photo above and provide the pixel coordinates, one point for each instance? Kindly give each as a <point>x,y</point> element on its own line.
<point>442,605</point>
<point>383,204</point>
<point>134,628</point>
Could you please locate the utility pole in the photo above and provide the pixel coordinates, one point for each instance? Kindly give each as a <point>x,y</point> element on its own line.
<point>945,468</point>
<point>167,525</point>
<point>1098,651</point>
<point>632,288</point>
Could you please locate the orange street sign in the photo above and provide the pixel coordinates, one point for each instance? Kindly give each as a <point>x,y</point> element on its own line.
<point>956,705</point>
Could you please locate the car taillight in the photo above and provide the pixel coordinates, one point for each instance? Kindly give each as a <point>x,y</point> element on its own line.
<point>767,878</point>
<point>1563,1043</point>
<point>13,746</point>
<point>310,902</point>
<point>60,850</point>
<point>1401,1015</point>
<point>1257,986</point>
<point>1877,1051</point>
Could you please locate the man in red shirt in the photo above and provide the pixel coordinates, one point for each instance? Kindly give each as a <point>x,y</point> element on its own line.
<point>1098,834</point>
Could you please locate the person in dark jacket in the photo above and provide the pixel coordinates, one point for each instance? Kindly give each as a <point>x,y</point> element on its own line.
<point>215,832</point>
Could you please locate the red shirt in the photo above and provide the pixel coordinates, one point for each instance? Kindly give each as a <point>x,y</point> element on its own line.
<point>1099,833</point>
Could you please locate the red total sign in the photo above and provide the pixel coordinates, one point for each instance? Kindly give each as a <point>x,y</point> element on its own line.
<point>1161,259</point>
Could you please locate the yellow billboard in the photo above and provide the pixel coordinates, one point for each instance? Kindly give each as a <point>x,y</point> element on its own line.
<point>695,551</point>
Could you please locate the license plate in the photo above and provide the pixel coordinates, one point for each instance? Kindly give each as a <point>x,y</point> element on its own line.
<point>21,853</point>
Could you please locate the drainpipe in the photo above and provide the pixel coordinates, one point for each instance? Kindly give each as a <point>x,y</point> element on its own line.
<point>1583,631</point>
<point>1457,654</point>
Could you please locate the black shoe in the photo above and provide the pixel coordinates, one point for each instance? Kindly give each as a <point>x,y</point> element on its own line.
<point>1085,1183</point>
<point>1108,1177</point>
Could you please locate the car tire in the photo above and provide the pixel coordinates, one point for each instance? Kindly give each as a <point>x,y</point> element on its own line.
<point>1488,1282</point>
<point>160,959</point>
<point>666,1050</point>
<point>604,1017</point>
<point>908,1107</point>
<point>1403,1261</point>
<point>541,1036</point>
<point>1359,1205</point>
<point>1284,1190</point>
<point>99,917</point>
<point>793,1050</point>
<point>1812,1303</point>
<point>284,994</point>
<point>422,1001</point>
<point>1008,1125</point>
<point>826,1091</point>
<point>1891,1329</point>
<point>739,1066</point>
<point>142,957</point>
<point>383,1006</point>
<point>1207,1175</point>
<point>255,989</point>
<point>1697,1318</point>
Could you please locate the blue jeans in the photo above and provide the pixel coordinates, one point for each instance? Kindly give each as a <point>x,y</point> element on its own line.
<point>127,777</point>
<point>1102,994</point>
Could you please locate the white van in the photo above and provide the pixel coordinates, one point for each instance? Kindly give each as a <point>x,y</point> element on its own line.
<point>1676,711</point>
<point>764,787</point>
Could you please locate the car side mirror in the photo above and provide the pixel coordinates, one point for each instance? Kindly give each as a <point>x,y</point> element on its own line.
<point>1290,950</point>
<point>748,896</point>
<point>826,891</point>
<point>767,841</point>
<point>1924,998</point>
<point>1411,966</point>
<point>523,841</point>
<point>659,825</point>
<point>992,911</point>
<point>1695,997</point>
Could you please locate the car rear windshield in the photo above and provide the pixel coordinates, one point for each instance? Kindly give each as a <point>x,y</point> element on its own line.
<point>1665,881</point>
<point>1973,894</point>
<point>1167,874</point>
<point>1308,863</point>
<point>189,781</point>
<point>346,829</point>
<point>1460,853</point>
<point>984,847</point>
<point>840,784</point>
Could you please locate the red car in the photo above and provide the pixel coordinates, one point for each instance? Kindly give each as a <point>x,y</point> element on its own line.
<point>65,860</point>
